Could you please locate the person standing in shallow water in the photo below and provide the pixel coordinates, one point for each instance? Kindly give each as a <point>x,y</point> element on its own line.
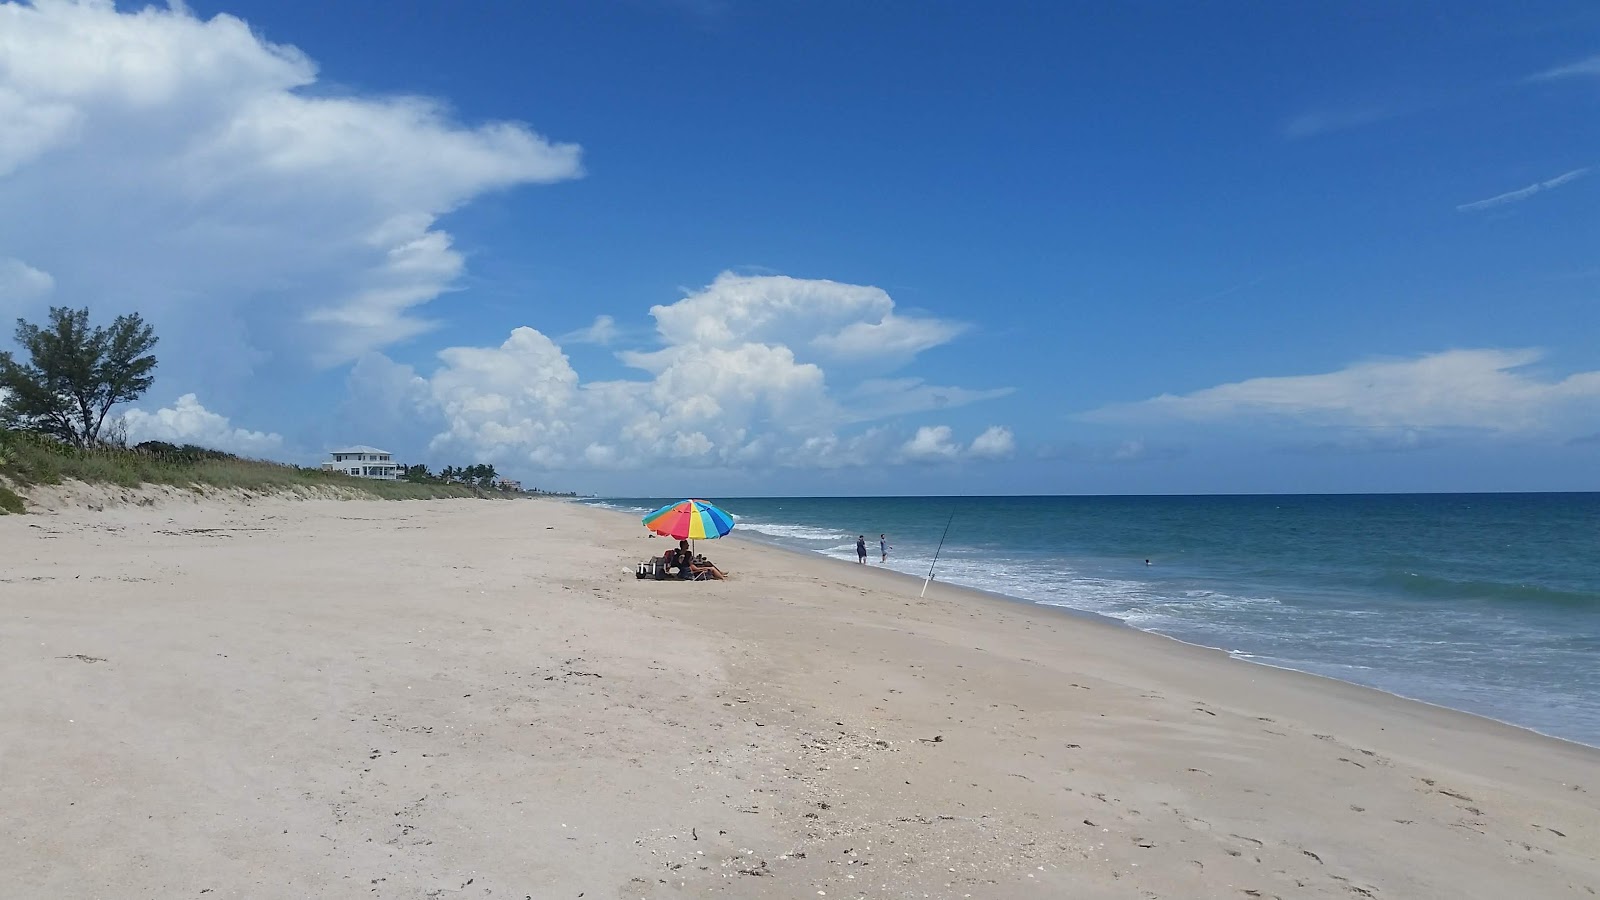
<point>883,548</point>
<point>861,549</point>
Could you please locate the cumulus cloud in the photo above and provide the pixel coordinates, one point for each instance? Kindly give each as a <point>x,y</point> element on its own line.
<point>188,422</point>
<point>1485,389</point>
<point>996,442</point>
<point>250,212</point>
<point>931,443</point>
<point>1523,193</point>
<point>936,443</point>
<point>848,321</point>
<point>719,391</point>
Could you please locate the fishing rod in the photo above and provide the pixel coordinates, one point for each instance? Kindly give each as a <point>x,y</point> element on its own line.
<point>936,552</point>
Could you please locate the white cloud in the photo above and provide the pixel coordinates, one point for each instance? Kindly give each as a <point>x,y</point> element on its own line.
<point>849,321</point>
<point>1523,193</point>
<point>936,443</point>
<point>1370,440</point>
<point>1320,122</point>
<point>22,282</point>
<point>1132,450</point>
<point>880,398</point>
<point>891,336</point>
<point>189,422</point>
<point>1582,68</point>
<point>996,442</point>
<point>246,210</point>
<point>603,332</point>
<point>931,443</point>
<point>719,392</point>
<point>1488,389</point>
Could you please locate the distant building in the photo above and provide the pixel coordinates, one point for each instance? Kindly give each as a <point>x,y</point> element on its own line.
<point>508,484</point>
<point>364,462</point>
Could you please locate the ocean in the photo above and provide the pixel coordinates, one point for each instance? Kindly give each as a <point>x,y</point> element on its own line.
<point>1488,603</point>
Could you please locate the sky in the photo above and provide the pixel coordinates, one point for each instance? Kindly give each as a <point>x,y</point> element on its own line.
<point>727,247</point>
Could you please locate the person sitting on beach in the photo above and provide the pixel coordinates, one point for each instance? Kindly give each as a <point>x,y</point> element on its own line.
<point>687,567</point>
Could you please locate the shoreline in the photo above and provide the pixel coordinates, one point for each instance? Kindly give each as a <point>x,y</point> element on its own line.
<point>1102,620</point>
<point>1112,622</point>
<point>313,699</point>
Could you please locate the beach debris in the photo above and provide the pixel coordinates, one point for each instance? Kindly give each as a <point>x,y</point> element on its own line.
<point>759,870</point>
<point>84,658</point>
<point>1312,855</point>
<point>936,739</point>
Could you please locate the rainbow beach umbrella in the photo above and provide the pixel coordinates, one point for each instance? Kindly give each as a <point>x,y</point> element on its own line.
<point>694,520</point>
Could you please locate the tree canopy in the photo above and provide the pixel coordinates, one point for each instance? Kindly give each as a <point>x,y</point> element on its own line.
<point>75,374</point>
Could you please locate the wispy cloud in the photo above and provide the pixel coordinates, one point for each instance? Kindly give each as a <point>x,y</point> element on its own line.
<point>1589,68</point>
<point>1129,451</point>
<point>1485,389</point>
<point>603,331</point>
<point>1369,440</point>
<point>1317,122</point>
<point>1524,193</point>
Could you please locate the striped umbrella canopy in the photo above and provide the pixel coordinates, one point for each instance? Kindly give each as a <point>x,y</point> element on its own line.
<point>694,520</point>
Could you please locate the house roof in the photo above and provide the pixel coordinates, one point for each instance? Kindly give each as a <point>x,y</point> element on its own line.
<point>359,448</point>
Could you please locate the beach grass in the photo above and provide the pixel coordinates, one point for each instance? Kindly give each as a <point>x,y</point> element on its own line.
<point>27,460</point>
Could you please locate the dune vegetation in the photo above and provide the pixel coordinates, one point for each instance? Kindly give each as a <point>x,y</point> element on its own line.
<point>28,460</point>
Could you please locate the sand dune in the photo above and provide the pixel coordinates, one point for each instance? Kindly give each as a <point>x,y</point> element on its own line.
<point>467,699</point>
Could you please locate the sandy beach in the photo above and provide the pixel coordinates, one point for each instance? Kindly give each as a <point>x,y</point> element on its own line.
<point>327,699</point>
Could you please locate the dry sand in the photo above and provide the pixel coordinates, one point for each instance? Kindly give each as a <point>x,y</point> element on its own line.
<point>468,699</point>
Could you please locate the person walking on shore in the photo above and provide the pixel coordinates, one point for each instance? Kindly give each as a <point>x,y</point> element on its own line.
<point>883,548</point>
<point>861,549</point>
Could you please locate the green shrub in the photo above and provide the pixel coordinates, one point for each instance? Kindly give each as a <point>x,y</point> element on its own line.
<point>28,459</point>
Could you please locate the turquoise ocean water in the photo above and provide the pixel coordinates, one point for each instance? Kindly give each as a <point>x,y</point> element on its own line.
<point>1488,603</point>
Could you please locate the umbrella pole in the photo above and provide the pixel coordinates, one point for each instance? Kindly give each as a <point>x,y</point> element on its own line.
<point>936,553</point>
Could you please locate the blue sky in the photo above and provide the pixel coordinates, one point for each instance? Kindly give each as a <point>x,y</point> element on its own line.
<point>841,248</point>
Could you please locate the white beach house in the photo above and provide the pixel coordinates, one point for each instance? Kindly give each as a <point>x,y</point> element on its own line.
<point>364,462</point>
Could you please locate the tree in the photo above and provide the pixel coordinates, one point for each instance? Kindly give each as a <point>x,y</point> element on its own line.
<point>75,374</point>
<point>418,473</point>
<point>481,474</point>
